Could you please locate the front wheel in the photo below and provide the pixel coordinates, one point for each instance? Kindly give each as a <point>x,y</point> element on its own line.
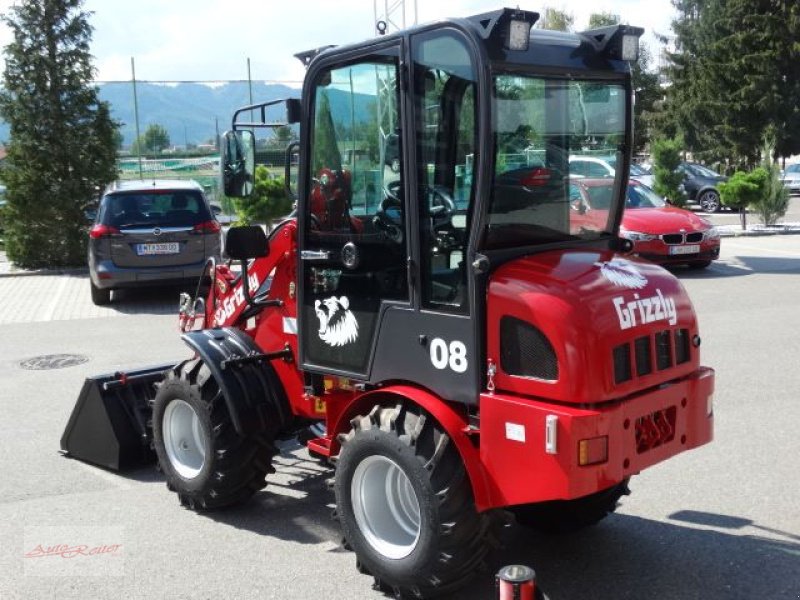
<point>204,460</point>
<point>405,504</point>
<point>709,201</point>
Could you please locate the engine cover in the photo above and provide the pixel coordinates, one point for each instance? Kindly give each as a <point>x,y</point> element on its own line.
<point>588,326</point>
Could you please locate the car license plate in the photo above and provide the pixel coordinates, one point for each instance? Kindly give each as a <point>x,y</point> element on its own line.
<point>690,249</point>
<point>161,248</point>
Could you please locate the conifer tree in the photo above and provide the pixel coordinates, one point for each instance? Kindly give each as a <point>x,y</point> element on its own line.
<point>61,149</point>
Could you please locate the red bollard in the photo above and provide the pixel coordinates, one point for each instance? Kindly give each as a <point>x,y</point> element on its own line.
<point>515,582</point>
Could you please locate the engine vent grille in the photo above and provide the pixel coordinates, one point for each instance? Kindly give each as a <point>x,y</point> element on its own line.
<point>525,351</point>
<point>672,348</point>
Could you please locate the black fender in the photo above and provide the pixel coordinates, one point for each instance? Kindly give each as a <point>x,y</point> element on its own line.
<point>253,392</point>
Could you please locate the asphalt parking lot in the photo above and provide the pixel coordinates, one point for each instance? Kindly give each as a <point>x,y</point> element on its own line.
<point>717,523</point>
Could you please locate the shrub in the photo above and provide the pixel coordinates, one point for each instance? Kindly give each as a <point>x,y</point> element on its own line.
<point>774,198</point>
<point>666,158</point>
<point>742,190</point>
<point>268,201</point>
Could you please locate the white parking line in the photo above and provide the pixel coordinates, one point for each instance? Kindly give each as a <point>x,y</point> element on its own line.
<point>55,299</point>
<point>760,249</point>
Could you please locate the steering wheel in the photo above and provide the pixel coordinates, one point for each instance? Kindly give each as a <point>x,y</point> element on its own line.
<point>442,206</point>
<point>389,216</point>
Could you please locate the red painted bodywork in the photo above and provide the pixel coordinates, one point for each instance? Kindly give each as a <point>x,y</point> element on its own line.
<point>570,297</point>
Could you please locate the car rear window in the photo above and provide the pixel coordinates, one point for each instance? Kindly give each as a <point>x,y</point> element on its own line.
<point>182,208</point>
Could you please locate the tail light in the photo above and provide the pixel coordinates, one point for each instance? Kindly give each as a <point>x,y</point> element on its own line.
<point>208,227</point>
<point>100,231</point>
<point>536,178</point>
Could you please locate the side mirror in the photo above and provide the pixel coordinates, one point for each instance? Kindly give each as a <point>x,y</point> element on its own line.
<point>238,163</point>
<point>243,243</point>
<point>217,210</point>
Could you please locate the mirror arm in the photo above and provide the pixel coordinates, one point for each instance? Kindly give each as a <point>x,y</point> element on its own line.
<point>287,182</point>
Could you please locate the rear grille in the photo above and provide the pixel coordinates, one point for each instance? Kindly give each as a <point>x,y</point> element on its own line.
<point>664,350</point>
<point>650,353</point>
<point>681,346</point>
<point>526,351</point>
<point>622,363</point>
<point>644,358</point>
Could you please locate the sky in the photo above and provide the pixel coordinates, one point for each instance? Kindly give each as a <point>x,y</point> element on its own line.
<point>211,40</point>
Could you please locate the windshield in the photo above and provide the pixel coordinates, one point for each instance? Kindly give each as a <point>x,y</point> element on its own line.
<point>641,196</point>
<point>637,170</point>
<point>538,123</point>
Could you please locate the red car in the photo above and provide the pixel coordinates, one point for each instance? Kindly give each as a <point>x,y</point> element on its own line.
<point>661,233</point>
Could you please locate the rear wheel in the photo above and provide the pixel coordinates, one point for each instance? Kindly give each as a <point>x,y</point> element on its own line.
<point>709,201</point>
<point>563,516</point>
<point>100,296</point>
<point>204,460</point>
<point>405,504</point>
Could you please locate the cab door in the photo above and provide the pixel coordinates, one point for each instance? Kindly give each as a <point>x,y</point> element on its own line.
<point>437,343</point>
<point>354,247</point>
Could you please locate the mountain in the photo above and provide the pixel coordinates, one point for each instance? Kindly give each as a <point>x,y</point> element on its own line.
<point>190,112</point>
<point>193,113</point>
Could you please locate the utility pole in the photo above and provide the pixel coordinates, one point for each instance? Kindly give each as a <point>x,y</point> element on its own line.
<point>136,117</point>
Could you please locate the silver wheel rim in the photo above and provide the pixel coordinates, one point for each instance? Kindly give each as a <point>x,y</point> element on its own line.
<point>184,439</point>
<point>710,201</point>
<point>385,506</point>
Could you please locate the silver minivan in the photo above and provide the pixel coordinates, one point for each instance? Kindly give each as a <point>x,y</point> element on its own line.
<point>154,232</point>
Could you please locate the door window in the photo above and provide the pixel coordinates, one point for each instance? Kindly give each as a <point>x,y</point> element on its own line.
<point>354,254</point>
<point>444,99</point>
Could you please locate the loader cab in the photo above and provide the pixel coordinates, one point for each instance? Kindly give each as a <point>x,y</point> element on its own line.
<point>394,257</point>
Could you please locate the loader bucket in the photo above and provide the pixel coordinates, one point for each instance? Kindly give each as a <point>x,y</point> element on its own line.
<point>109,425</point>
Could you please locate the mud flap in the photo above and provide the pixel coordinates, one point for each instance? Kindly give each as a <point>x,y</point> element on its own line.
<point>108,426</point>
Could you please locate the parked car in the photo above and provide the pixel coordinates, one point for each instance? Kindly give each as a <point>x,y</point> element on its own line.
<point>791,178</point>
<point>701,185</point>
<point>150,233</point>
<point>661,233</point>
<point>604,166</point>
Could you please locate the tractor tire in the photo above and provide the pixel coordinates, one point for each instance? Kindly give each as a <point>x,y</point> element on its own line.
<point>203,458</point>
<point>405,504</point>
<point>566,516</point>
<point>100,296</point>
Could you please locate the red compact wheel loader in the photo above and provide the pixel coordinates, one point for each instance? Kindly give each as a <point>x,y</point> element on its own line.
<point>459,336</point>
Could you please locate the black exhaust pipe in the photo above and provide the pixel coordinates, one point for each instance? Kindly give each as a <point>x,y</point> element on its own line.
<point>109,425</point>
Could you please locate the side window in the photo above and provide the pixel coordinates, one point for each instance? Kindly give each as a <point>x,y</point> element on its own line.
<point>444,108</point>
<point>578,167</point>
<point>597,170</point>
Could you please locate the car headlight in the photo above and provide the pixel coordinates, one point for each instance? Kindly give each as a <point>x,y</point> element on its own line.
<point>637,236</point>
<point>712,233</point>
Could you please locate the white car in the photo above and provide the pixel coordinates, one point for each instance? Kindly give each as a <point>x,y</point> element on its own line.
<point>594,167</point>
<point>791,178</point>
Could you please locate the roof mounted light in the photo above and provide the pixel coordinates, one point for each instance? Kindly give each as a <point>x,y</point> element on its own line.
<point>620,42</point>
<point>510,26</point>
<point>519,34</point>
<point>630,47</point>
